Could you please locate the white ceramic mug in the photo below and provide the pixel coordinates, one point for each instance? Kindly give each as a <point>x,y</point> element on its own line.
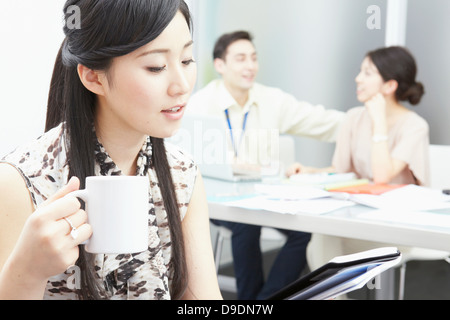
<point>117,208</point>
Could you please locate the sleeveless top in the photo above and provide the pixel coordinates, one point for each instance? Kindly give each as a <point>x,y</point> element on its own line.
<point>146,275</point>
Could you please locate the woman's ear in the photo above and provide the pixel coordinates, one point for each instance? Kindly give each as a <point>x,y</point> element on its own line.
<point>390,87</point>
<point>94,81</point>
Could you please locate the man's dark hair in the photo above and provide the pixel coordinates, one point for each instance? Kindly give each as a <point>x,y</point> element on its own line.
<point>222,44</point>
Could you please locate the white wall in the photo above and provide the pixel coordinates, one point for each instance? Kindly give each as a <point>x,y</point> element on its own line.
<point>31,33</point>
<point>428,36</point>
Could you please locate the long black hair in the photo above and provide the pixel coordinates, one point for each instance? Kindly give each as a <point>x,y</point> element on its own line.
<point>397,63</point>
<point>110,29</point>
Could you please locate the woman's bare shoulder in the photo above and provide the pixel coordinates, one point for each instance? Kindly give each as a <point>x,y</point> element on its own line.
<point>14,195</point>
<point>15,208</point>
<point>10,176</point>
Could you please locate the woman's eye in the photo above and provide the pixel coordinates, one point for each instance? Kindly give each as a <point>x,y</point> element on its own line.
<point>156,69</point>
<point>188,62</point>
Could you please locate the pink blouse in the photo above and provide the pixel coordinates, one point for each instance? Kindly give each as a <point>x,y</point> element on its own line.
<point>408,142</point>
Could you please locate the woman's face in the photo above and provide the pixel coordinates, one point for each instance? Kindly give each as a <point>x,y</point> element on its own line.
<point>369,81</point>
<point>148,89</point>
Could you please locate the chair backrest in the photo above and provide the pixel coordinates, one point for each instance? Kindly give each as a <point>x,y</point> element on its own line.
<point>440,166</point>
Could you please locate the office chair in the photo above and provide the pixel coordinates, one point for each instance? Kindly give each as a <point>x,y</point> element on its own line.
<point>417,254</point>
<point>287,157</point>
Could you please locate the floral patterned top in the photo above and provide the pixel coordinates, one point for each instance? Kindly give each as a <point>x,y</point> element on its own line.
<point>146,275</point>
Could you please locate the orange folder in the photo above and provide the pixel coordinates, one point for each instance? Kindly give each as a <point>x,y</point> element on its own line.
<point>375,189</point>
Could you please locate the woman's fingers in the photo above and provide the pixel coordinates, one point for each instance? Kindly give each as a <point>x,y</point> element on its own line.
<point>59,209</point>
<point>294,169</point>
<point>75,220</point>
<point>71,186</point>
<point>78,221</point>
<point>84,232</point>
<point>61,204</point>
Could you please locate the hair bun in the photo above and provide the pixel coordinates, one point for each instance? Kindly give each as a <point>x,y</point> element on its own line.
<point>415,93</point>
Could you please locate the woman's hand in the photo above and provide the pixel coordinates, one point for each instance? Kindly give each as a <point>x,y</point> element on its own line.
<point>46,246</point>
<point>377,111</point>
<point>298,168</point>
<point>294,169</point>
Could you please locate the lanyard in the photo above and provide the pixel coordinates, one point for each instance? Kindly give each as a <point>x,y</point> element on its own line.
<point>244,125</point>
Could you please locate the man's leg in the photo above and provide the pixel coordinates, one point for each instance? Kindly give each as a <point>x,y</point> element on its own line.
<point>289,264</point>
<point>247,258</point>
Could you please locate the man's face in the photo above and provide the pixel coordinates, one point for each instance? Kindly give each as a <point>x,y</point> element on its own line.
<point>240,66</point>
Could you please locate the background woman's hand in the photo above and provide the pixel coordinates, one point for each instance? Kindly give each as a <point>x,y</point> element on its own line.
<point>377,109</point>
<point>298,168</point>
<point>294,169</point>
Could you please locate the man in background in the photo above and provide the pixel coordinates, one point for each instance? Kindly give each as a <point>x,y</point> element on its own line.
<point>251,108</point>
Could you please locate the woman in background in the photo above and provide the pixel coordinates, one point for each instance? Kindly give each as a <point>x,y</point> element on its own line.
<point>120,86</point>
<point>383,141</point>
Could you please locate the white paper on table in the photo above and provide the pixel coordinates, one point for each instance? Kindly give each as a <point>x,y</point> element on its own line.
<point>411,197</point>
<point>409,217</point>
<point>315,206</point>
<point>291,192</point>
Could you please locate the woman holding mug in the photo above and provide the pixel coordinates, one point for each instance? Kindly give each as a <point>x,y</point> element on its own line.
<point>120,86</point>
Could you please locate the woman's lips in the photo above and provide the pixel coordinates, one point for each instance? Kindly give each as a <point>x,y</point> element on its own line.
<point>175,113</point>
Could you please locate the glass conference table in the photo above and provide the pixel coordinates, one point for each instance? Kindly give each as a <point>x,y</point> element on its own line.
<point>344,222</point>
